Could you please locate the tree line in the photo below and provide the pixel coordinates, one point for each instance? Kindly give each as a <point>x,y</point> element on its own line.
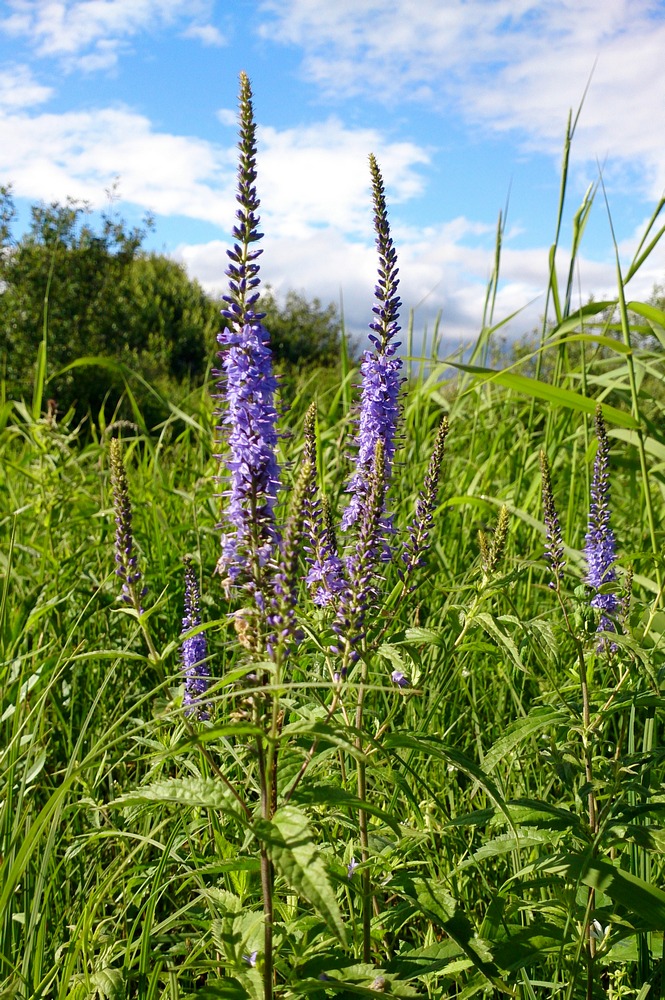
<point>93,291</point>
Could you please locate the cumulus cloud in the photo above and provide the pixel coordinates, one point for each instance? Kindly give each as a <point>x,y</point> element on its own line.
<point>505,64</point>
<point>90,34</point>
<point>20,89</point>
<point>206,33</point>
<point>310,177</point>
<point>444,271</point>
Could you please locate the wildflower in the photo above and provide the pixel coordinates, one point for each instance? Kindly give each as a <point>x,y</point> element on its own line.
<point>554,539</point>
<point>380,369</point>
<point>286,578</point>
<point>599,541</point>
<point>325,575</point>
<point>354,600</point>
<point>125,555</point>
<point>399,679</point>
<point>416,547</point>
<point>248,388</point>
<point>250,958</point>
<point>351,867</point>
<point>194,650</point>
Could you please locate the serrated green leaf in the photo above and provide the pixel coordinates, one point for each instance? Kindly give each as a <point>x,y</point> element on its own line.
<point>491,627</point>
<point>109,983</point>
<point>289,842</point>
<point>392,654</point>
<point>203,793</point>
<point>429,636</point>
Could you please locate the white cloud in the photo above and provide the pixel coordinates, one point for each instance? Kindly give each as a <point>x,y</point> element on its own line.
<point>310,177</point>
<point>506,64</point>
<point>19,89</point>
<point>439,273</point>
<point>319,174</point>
<point>79,154</point>
<point>89,34</point>
<point>208,34</point>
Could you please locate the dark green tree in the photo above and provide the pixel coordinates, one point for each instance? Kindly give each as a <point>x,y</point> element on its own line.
<point>303,332</point>
<point>97,295</point>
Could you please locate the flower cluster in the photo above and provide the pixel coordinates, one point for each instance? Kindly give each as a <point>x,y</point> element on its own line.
<point>194,649</point>
<point>380,369</point>
<point>249,415</point>
<point>599,543</point>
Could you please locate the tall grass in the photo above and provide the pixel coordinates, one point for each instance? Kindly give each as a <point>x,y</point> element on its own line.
<point>126,869</point>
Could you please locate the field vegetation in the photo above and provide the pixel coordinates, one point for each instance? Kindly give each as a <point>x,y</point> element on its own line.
<point>451,787</point>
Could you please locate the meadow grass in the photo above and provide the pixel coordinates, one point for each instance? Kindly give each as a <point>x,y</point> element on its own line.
<point>441,842</point>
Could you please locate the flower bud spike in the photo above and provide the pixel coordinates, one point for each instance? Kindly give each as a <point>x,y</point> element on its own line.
<point>553,537</point>
<point>194,650</point>
<point>125,556</point>
<point>492,552</point>
<point>428,499</point>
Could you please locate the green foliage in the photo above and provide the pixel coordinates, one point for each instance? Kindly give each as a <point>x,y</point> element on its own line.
<point>104,317</point>
<point>506,807</point>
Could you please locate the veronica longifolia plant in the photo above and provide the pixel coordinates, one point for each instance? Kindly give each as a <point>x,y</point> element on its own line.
<point>248,415</point>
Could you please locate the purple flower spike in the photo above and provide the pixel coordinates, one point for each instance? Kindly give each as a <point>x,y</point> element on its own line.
<point>249,416</point>
<point>125,556</point>
<point>599,540</point>
<point>600,546</point>
<point>194,650</point>
<point>380,369</point>
<point>400,679</point>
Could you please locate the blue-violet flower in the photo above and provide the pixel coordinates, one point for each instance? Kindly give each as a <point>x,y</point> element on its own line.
<point>248,388</point>
<point>380,369</point>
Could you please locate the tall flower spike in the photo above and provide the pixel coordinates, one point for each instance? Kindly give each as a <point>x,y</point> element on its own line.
<point>419,531</point>
<point>194,650</point>
<point>286,580</point>
<point>325,576</point>
<point>599,544</point>
<point>553,536</point>
<point>357,594</point>
<point>380,369</point>
<point>125,556</point>
<point>249,416</point>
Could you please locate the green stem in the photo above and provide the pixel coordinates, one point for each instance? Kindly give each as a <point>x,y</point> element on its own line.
<point>362,819</point>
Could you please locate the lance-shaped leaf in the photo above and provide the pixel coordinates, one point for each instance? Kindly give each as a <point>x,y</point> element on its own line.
<point>289,841</point>
<point>204,793</point>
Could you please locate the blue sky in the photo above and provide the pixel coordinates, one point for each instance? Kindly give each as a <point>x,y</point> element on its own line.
<point>462,101</point>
